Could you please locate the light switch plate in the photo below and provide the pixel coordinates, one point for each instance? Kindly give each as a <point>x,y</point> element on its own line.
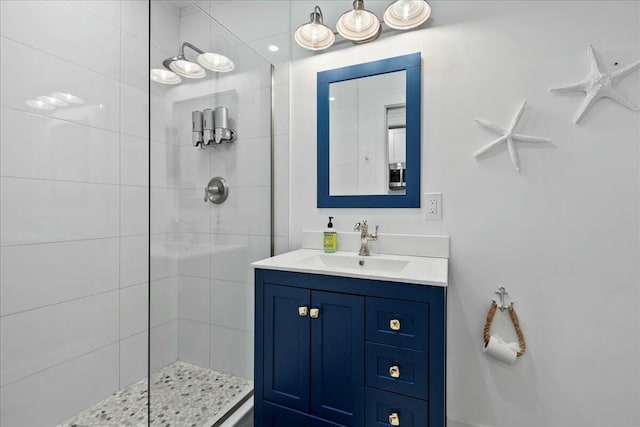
<point>432,206</point>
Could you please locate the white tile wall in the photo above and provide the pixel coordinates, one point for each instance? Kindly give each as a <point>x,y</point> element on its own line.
<point>193,342</point>
<point>39,339</point>
<point>65,271</point>
<point>232,351</point>
<point>52,396</point>
<point>74,211</point>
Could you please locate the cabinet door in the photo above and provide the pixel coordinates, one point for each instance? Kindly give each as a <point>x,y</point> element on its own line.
<point>337,358</point>
<point>286,346</point>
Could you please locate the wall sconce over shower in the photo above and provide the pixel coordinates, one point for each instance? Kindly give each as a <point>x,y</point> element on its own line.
<point>360,25</point>
<point>179,65</point>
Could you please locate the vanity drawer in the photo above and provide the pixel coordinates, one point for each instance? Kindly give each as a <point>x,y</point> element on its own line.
<point>388,409</point>
<point>398,323</point>
<point>397,370</point>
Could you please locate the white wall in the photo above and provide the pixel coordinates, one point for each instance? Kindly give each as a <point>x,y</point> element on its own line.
<point>74,206</point>
<point>562,235</point>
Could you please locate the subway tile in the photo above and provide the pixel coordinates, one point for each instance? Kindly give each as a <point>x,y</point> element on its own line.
<point>134,111</point>
<point>134,17</point>
<point>232,352</point>
<point>194,299</point>
<point>164,253</point>
<point>134,260</point>
<point>193,342</point>
<point>195,213</point>
<point>164,345</point>
<point>244,163</point>
<point>232,305</point>
<point>22,79</point>
<point>108,10</point>
<point>36,211</point>
<point>134,309</point>
<point>40,24</point>
<point>195,254</point>
<point>134,61</point>
<point>65,271</point>
<point>232,255</point>
<point>247,210</point>
<point>164,210</point>
<point>54,395</point>
<point>164,301</point>
<point>134,161</point>
<point>134,211</point>
<point>39,339</point>
<point>34,146</point>
<point>165,27</point>
<point>133,359</point>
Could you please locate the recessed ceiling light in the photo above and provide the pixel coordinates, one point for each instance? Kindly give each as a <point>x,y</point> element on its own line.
<point>273,48</point>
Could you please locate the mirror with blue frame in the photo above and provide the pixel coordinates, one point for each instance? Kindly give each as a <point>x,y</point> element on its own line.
<point>369,134</point>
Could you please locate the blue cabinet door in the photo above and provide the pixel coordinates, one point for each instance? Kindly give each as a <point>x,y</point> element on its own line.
<point>286,347</point>
<point>277,416</point>
<point>337,358</point>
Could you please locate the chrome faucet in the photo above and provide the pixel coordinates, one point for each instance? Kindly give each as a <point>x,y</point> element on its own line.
<point>365,237</point>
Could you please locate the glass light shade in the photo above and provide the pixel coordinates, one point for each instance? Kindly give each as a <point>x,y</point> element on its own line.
<point>67,97</point>
<point>358,24</point>
<point>40,105</point>
<point>165,77</point>
<point>406,14</point>
<point>53,101</point>
<point>187,69</point>
<point>216,62</point>
<point>314,36</point>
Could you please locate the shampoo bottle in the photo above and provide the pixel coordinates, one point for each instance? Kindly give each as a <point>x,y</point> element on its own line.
<point>330,238</point>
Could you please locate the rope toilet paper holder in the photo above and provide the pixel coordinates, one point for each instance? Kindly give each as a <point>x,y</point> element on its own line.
<point>501,292</point>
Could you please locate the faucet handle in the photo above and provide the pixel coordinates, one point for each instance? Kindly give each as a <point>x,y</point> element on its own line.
<point>357,226</point>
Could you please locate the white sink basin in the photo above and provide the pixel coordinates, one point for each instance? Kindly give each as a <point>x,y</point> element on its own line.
<point>396,268</point>
<point>359,263</point>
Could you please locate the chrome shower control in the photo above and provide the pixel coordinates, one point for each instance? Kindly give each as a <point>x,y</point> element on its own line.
<point>216,191</point>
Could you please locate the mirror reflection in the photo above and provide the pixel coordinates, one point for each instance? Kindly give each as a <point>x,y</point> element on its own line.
<point>367,135</point>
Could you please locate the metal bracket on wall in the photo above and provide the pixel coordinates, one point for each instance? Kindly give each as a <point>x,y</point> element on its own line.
<point>216,191</point>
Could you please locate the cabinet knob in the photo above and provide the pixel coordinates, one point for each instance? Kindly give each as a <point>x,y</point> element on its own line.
<point>303,311</point>
<point>394,419</point>
<point>394,371</point>
<point>394,324</point>
<point>315,312</point>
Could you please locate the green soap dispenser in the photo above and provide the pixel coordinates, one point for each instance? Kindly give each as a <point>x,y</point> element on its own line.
<point>330,238</point>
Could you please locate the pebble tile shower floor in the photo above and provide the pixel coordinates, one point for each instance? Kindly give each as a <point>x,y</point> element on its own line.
<point>182,395</point>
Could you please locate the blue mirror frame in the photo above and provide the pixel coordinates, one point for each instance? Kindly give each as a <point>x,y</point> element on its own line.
<point>411,199</point>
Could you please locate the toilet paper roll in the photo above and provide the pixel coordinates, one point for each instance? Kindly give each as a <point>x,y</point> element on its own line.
<point>505,352</point>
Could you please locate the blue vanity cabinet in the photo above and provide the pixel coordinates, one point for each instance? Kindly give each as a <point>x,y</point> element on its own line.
<point>373,354</point>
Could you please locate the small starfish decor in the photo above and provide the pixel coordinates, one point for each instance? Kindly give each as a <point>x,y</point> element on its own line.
<point>508,136</point>
<point>600,85</point>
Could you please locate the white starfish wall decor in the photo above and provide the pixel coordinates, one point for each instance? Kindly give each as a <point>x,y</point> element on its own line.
<point>600,85</point>
<point>508,136</point>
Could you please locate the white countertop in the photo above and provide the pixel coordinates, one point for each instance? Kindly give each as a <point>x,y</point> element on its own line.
<point>408,269</point>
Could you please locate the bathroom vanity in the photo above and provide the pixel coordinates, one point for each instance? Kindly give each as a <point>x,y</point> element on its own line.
<point>346,340</point>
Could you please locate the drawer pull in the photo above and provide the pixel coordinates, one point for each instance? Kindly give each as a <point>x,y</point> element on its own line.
<point>315,312</point>
<point>303,311</point>
<point>394,324</point>
<point>394,419</point>
<point>394,371</point>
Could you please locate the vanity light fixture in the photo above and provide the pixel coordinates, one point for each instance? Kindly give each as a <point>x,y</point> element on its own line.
<point>360,25</point>
<point>179,65</point>
<point>406,14</point>
<point>314,35</point>
<point>166,77</point>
